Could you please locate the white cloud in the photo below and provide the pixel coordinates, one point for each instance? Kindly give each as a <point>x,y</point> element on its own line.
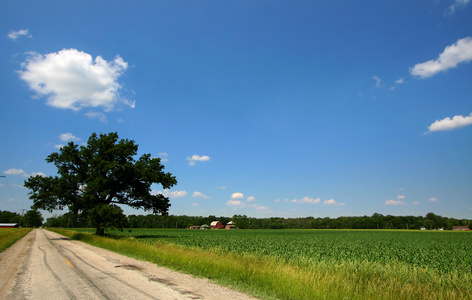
<point>38,173</point>
<point>237,196</point>
<point>173,194</point>
<point>14,35</point>
<point>378,81</point>
<point>400,81</point>
<point>251,199</point>
<point>261,207</point>
<point>97,115</point>
<point>458,4</point>
<point>20,172</point>
<point>459,52</point>
<point>72,79</point>
<point>163,156</point>
<point>332,202</point>
<point>450,124</point>
<point>68,137</point>
<point>416,203</point>
<point>194,158</point>
<point>195,204</point>
<point>394,202</point>
<point>433,199</point>
<point>197,194</point>
<point>306,199</point>
<point>15,172</point>
<point>400,197</point>
<point>236,203</point>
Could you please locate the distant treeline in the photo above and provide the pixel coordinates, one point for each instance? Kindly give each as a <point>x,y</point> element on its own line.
<point>376,221</point>
<point>32,218</point>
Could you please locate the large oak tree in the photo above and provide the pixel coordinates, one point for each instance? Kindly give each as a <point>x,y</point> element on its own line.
<point>93,179</point>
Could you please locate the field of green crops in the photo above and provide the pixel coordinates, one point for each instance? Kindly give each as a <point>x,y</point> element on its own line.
<point>446,252</point>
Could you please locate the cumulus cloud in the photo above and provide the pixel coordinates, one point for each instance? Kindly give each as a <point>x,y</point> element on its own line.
<point>453,55</point>
<point>394,202</point>
<point>450,124</point>
<point>194,158</point>
<point>236,203</point>
<point>20,172</point>
<point>307,200</point>
<point>251,199</point>
<point>14,35</point>
<point>15,172</point>
<point>69,137</point>
<point>197,194</point>
<point>433,199</point>
<point>173,194</point>
<point>163,156</point>
<point>72,79</point>
<point>332,202</point>
<point>400,197</point>
<point>237,196</point>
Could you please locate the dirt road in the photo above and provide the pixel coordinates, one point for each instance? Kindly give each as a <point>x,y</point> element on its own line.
<point>46,265</point>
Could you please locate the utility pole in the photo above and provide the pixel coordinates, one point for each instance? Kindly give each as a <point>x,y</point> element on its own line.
<point>22,214</point>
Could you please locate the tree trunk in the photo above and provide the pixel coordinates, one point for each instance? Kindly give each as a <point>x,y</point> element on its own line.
<point>100,230</point>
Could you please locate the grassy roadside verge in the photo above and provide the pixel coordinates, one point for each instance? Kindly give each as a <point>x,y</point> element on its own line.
<point>270,279</point>
<point>8,236</point>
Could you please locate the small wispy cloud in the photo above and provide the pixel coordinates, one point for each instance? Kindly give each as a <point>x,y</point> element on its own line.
<point>173,194</point>
<point>433,199</point>
<point>394,202</point>
<point>21,172</point>
<point>197,194</point>
<point>458,4</point>
<point>378,81</point>
<point>306,200</point>
<point>163,156</point>
<point>14,35</point>
<point>333,202</point>
<point>97,115</point>
<point>192,160</point>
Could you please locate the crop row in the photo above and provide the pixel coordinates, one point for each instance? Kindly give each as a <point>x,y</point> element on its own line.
<point>447,252</point>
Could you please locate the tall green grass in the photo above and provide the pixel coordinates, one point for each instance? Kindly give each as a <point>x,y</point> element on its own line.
<point>8,236</point>
<point>270,278</point>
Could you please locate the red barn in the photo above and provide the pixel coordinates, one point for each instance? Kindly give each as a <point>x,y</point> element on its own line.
<point>8,225</point>
<point>216,225</point>
<point>461,228</point>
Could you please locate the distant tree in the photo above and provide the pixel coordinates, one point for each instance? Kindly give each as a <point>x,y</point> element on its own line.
<point>32,218</point>
<point>93,179</point>
<point>9,217</point>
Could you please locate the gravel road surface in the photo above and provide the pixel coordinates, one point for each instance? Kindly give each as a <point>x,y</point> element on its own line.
<point>46,265</point>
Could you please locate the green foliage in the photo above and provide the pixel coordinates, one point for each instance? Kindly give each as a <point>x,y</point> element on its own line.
<point>446,252</point>
<point>9,217</point>
<point>8,236</point>
<point>32,218</point>
<point>102,173</point>
<point>277,264</point>
<point>107,216</point>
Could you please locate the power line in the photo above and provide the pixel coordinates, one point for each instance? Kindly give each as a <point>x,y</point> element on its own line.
<point>8,186</point>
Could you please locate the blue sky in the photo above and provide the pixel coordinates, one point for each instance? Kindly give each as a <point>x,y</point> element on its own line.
<point>262,108</point>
